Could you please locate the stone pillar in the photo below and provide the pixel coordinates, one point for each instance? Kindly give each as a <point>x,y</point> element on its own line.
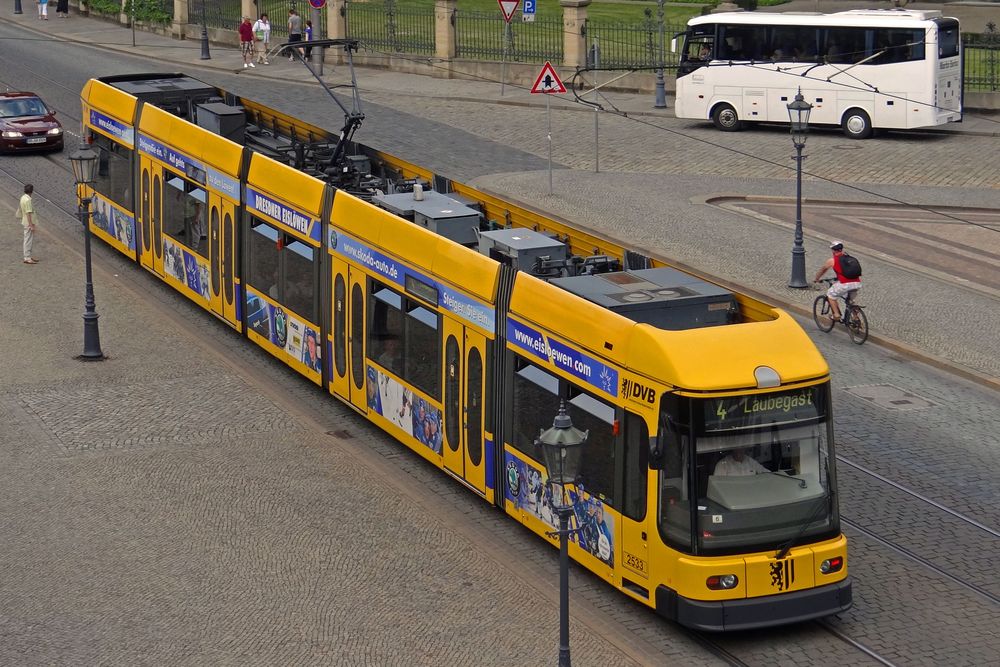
<point>574,37</point>
<point>336,19</point>
<point>248,8</point>
<point>181,13</point>
<point>336,28</point>
<point>444,29</point>
<point>123,16</point>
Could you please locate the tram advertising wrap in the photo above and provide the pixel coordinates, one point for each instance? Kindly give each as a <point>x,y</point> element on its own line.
<point>707,484</point>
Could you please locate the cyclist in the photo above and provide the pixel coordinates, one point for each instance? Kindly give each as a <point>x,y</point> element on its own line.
<point>839,289</point>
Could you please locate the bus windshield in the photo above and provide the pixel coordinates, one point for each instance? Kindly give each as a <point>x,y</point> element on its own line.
<point>759,467</point>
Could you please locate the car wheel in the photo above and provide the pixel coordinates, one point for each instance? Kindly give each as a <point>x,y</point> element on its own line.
<point>856,124</point>
<point>726,119</point>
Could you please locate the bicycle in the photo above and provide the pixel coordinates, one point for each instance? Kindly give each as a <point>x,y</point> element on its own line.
<point>854,317</point>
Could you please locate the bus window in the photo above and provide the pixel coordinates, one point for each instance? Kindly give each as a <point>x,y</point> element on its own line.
<point>741,42</point>
<point>299,294</point>
<point>699,48</point>
<point>949,39</point>
<point>845,45</point>
<point>793,44</point>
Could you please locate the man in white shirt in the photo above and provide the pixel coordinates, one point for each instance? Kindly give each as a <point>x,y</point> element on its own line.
<point>26,213</point>
<point>738,463</point>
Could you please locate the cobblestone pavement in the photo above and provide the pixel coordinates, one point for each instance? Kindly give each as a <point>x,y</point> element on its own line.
<point>233,539</point>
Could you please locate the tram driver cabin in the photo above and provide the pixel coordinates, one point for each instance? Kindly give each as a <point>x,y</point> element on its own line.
<point>861,70</point>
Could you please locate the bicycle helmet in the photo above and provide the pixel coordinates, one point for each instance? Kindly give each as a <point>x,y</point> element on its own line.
<point>836,245</point>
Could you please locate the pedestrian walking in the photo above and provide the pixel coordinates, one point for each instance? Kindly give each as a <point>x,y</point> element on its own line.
<point>246,42</point>
<point>294,30</point>
<point>62,9</point>
<point>262,32</point>
<point>26,214</point>
<point>43,9</point>
<point>309,37</point>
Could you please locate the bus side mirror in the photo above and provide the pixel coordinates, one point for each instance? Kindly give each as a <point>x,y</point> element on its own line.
<point>673,45</point>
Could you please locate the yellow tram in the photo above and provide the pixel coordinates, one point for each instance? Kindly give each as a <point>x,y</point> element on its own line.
<point>457,322</point>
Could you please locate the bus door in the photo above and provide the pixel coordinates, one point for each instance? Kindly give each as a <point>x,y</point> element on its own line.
<point>464,390</point>
<point>150,212</point>
<point>350,373</point>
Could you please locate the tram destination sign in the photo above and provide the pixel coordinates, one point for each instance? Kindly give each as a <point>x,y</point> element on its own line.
<point>755,410</point>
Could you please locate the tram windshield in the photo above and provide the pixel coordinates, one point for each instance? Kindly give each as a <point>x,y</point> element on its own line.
<point>759,466</point>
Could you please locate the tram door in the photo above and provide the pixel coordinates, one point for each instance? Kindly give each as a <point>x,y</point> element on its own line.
<point>150,214</point>
<point>348,311</point>
<point>221,244</point>
<point>464,389</point>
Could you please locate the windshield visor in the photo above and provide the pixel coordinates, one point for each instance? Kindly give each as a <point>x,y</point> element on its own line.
<point>758,468</point>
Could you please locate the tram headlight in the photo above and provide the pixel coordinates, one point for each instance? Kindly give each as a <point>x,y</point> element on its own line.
<point>831,565</point>
<point>722,582</point>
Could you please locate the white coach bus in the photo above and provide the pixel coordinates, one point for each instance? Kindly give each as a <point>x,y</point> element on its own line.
<point>861,70</point>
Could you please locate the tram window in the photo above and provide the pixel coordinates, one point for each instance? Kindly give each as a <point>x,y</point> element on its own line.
<point>262,264</point>
<point>385,333</point>
<point>185,215</point>
<point>636,466</point>
<point>422,351</point>
<point>299,294</point>
<point>536,400</point>
<point>114,171</point>
<point>340,325</point>
<point>597,466</point>
<point>675,507</point>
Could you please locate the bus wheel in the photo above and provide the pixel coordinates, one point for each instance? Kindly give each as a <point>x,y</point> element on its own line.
<point>725,118</point>
<point>856,124</point>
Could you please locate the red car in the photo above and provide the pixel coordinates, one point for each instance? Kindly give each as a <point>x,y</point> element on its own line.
<point>27,124</point>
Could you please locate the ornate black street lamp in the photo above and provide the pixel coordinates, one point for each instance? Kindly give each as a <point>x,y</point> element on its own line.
<point>562,447</point>
<point>84,162</point>
<point>661,93</point>
<point>205,55</point>
<point>798,114</point>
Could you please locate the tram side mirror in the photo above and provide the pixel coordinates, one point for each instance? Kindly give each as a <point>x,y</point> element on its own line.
<point>655,454</point>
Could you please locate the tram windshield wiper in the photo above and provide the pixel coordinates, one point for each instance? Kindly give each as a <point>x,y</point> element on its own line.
<point>784,549</point>
<point>784,475</point>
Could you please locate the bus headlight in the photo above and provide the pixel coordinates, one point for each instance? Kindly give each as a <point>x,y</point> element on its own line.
<point>722,582</point>
<point>831,565</point>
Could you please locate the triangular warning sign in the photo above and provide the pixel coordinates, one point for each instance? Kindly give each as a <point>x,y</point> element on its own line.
<point>508,7</point>
<point>548,81</point>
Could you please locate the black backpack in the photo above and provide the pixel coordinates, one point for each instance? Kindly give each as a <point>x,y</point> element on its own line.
<point>850,267</point>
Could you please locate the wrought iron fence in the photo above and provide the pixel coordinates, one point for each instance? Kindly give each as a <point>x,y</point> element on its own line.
<point>486,36</point>
<point>632,45</point>
<point>224,14</point>
<point>277,16</point>
<point>388,27</point>
<point>982,60</point>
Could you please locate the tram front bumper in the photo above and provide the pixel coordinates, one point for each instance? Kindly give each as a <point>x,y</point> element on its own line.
<point>750,613</point>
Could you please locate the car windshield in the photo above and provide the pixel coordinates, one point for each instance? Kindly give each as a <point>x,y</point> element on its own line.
<point>22,106</point>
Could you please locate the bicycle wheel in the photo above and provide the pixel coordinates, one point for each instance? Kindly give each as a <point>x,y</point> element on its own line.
<point>857,325</point>
<point>821,312</point>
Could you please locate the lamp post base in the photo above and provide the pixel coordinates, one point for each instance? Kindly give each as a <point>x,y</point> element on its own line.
<point>17,7</point>
<point>205,55</point>
<point>798,277</point>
